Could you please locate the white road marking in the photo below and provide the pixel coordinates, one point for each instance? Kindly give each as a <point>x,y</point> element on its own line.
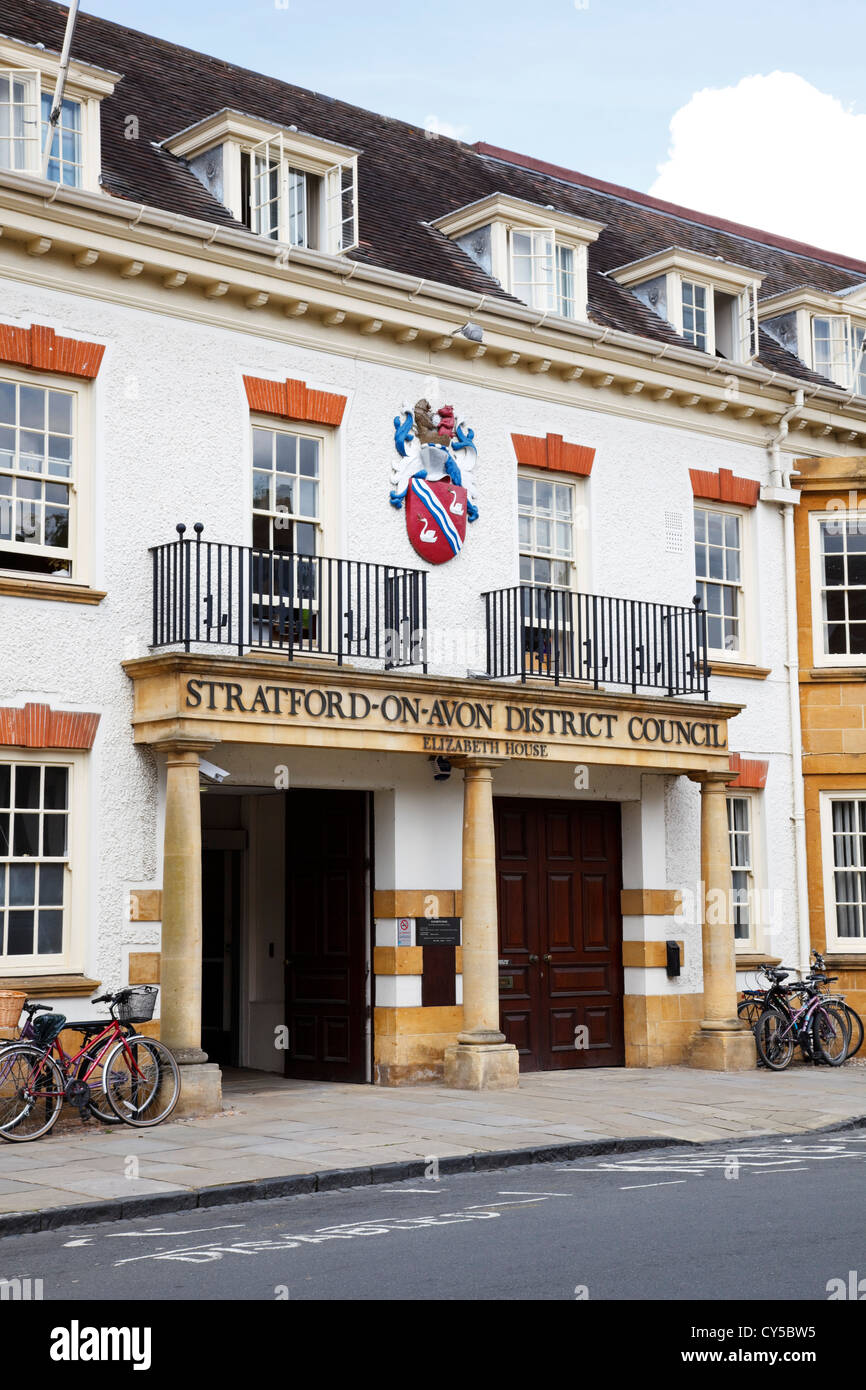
<point>507,1192</point>
<point>672,1182</point>
<point>423,1191</point>
<point>205,1254</point>
<point>193,1231</point>
<point>482,1206</point>
<point>779,1172</point>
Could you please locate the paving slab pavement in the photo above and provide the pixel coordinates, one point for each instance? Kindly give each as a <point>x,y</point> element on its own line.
<point>271,1128</point>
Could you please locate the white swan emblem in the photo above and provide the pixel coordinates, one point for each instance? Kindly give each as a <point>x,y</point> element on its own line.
<point>456,507</point>
<point>426,534</point>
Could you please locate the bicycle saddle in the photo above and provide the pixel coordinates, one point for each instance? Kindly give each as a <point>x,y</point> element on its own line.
<point>48,1028</point>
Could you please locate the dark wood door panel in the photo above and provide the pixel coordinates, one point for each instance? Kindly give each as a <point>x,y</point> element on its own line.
<point>559,880</point>
<point>325,935</point>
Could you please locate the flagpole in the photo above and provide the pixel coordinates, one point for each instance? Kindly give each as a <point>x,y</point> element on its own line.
<point>59,87</point>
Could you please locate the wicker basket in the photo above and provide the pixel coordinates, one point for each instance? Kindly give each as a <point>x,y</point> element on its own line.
<point>136,1004</point>
<point>11,1004</point>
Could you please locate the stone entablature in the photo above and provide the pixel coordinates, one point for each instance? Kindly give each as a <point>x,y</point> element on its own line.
<point>249,700</point>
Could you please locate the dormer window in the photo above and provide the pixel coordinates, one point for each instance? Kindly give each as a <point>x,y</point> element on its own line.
<point>826,331</point>
<point>27,79</point>
<point>297,205</point>
<point>537,254</point>
<point>284,185</point>
<point>543,271</point>
<point>710,303</point>
<point>837,350</point>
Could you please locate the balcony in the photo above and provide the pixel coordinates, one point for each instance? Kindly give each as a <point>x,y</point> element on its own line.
<point>560,635</point>
<point>210,593</point>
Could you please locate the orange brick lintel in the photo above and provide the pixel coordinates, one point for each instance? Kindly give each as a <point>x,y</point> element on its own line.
<point>554,453</point>
<point>724,486</point>
<point>40,726</point>
<point>648,955</point>
<point>42,349</point>
<point>293,400</point>
<point>750,772</point>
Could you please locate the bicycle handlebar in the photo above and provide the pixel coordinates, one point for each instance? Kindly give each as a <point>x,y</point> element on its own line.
<point>31,1007</point>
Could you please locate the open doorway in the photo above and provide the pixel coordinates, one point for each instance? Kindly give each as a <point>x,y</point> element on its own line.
<point>224,842</point>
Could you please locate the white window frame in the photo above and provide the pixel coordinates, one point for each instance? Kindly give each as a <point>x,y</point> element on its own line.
<point>752,800</point>
<point>545,292</point>
<point>851,334</point>
<point>71,959</point>
<point>328,541</point>
<point>31,140</point>
<point>335,233</point>
<point>707,310</point>
<point>578,564</point>
<point>85,84</point>
<point>81,508</point>
<point>848,944</point>
<point>745,653</point>
<point>816,568</point>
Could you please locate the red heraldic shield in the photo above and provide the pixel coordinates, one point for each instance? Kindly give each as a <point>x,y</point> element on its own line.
<point>436,518</point>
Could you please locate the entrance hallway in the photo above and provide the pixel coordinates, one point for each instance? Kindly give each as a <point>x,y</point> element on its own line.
<point>272,1127</point>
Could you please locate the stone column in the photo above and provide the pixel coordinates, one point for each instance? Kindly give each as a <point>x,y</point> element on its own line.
<point>722,1043</point>
<point>482,1059</point>
<point>180,954</point>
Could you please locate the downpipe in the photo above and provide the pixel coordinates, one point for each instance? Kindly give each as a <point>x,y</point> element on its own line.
<point>782,479</point>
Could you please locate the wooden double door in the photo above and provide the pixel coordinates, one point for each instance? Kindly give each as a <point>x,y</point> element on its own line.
<point>559,874</point>
<point>326,950</point>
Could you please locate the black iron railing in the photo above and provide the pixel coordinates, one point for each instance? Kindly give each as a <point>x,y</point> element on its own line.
<point>208,592</point>
<point>555,633</point>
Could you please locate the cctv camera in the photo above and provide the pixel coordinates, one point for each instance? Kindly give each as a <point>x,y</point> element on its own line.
<point>211,772</point>
<point>441,769</point>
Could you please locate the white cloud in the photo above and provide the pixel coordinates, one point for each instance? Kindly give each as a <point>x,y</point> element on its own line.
<point>773,152</point>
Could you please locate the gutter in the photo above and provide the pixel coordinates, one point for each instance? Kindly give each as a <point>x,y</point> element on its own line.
<point>215,236</point>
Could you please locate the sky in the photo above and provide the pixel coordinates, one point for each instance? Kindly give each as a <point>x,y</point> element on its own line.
<point>751,109</point>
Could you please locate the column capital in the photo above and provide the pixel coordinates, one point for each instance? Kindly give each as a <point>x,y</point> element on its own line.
<point>713,781</point>
<point>471,763</point>
<point>185,745</point>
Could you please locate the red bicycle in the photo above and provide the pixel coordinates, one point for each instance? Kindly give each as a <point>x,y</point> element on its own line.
<point>115,1076</point>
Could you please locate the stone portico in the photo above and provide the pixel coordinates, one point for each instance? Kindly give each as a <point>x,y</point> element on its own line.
<point>186,706</point>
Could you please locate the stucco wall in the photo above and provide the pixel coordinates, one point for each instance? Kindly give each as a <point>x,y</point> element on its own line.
<point>172,442</point>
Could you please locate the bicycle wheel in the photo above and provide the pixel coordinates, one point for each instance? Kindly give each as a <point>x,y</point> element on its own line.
<point>100,1107</point>
<point>142,1081</point>
<point>750,1010</point>
<point>775,1046</point>
<point>856,1031</point>
<point>31,1093</point>
<point>831,1032</point>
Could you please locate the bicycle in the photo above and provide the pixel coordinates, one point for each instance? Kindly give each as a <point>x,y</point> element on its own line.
<point>819,1027</point>
<point>99,1106</point>
<point>138,1076</point>
<point>854,1019</point>
<point>755,1001</point>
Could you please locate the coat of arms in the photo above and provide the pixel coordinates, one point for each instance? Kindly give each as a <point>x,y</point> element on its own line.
<point>439,491</point>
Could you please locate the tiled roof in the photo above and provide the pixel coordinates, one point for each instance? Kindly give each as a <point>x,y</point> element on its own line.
<point>406,178</point>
